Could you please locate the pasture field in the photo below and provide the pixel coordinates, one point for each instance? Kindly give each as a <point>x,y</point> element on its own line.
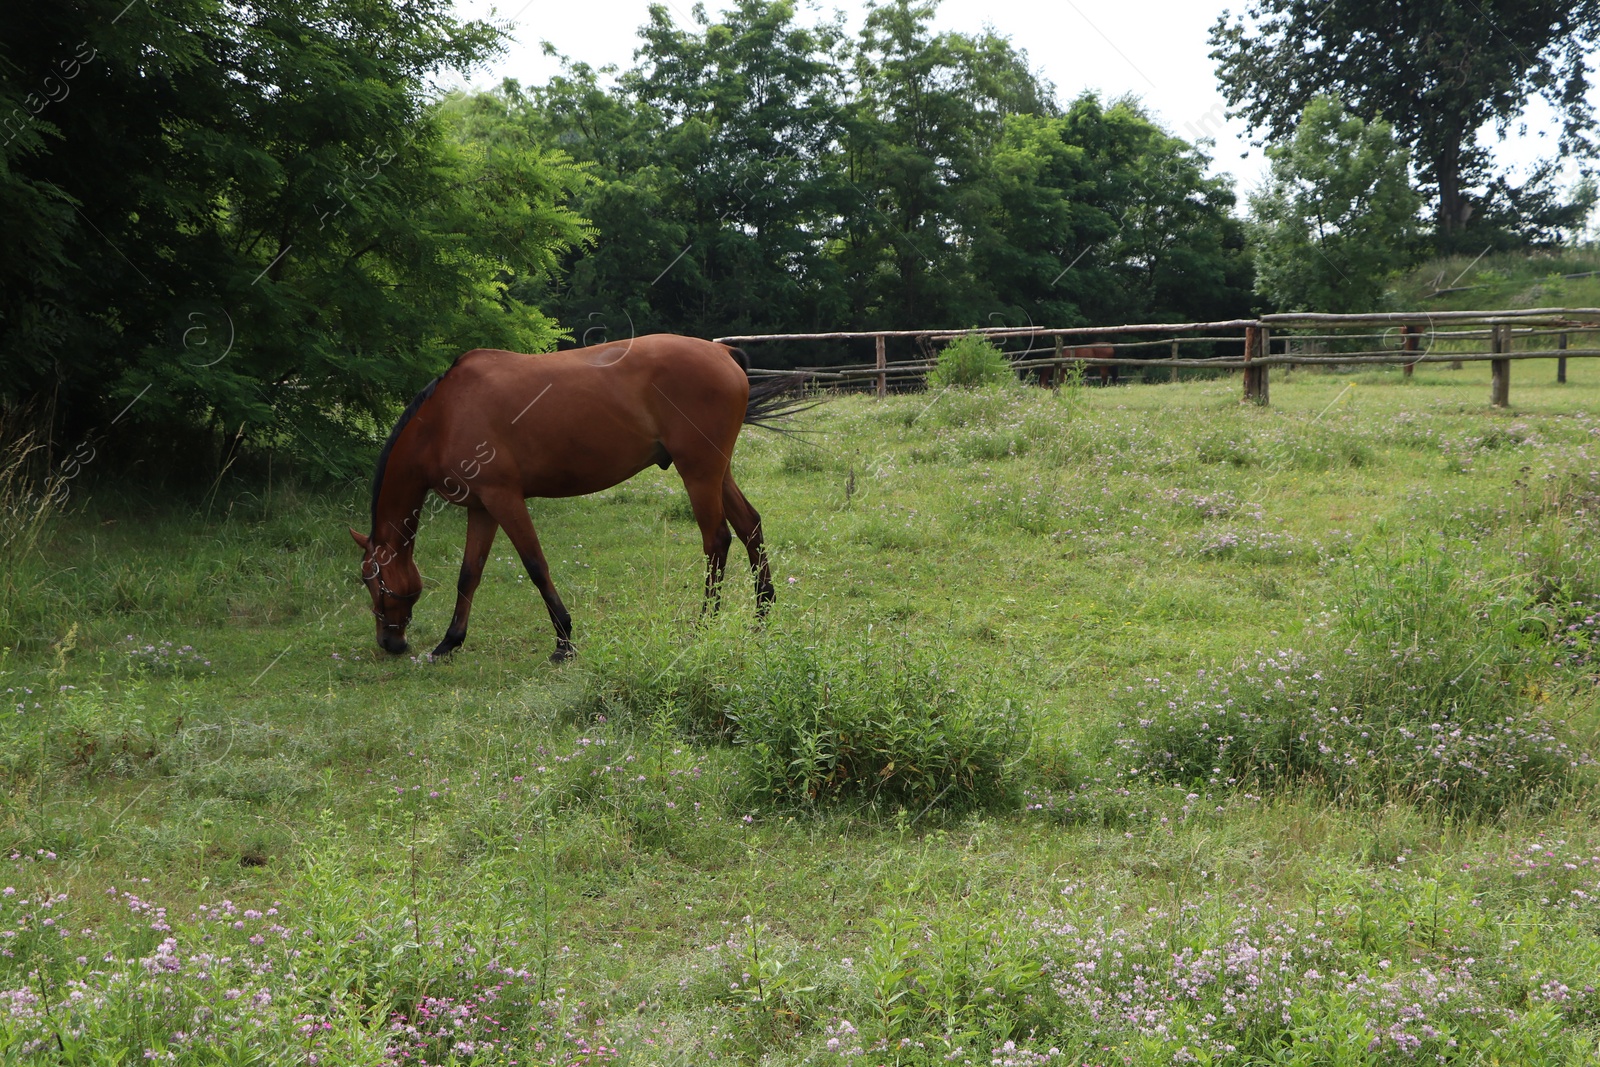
<point>1107,726</point>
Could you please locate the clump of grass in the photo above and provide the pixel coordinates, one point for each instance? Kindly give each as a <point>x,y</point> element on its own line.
<point>803,457</point>
<point>1327,450</point>
<point>1561,521</point>
<point>889,724</point>
<point>819,717</point>
<point>1427,687</point>
<point>1228,448</point>
<point>1034,506</point>
<point>971,361</point>
<point>1196,508</point>
<point>632,681</point>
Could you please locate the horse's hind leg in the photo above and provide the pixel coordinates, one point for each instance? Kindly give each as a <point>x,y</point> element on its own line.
<point>746,522</point>
<point>705,497</point>
<point>511,512</point>
<point>480,535</point>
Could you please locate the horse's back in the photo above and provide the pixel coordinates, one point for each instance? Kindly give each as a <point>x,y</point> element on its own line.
<point>643,358</point>
<point>578,420</point>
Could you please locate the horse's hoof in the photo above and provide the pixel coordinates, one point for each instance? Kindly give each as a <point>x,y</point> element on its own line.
<point>563,653</point>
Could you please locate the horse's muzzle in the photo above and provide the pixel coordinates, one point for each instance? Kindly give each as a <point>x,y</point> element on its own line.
<point>395,646</point>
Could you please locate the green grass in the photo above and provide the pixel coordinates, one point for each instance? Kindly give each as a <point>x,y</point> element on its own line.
<point>968,785</point>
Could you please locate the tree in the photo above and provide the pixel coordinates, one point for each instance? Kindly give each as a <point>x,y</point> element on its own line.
<point>928,112</point>
<point>1178,251</point>
<point>1098,216</point>
<point>1537,213</point>
<point>1438,70</point>
<point>1338,215</point>
<point>716,177</point>
<point>752,175</point>
<point>252,216</point>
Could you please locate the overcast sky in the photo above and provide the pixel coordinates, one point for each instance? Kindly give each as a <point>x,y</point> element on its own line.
<point>1154,49</point>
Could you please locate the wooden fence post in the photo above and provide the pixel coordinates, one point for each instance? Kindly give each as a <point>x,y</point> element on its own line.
<point>1264,374</point>
<point>1174,356</point>
<point>883,363</point>
<point>1561,364</point>
<point>1060,368</point>
<point>1499,369</point>
<point>1256,341</point>
<point>1409,333</point>
<point>1249,371</point>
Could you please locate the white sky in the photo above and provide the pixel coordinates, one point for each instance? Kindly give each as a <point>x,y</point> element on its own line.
<point>1154,49</point>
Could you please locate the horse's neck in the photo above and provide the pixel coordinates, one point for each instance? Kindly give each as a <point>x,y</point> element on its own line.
<point>400,501</point>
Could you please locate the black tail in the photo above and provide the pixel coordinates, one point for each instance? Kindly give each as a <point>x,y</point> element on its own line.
<point>773,398</point>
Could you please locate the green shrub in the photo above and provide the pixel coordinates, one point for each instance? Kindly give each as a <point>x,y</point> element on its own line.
<point>823,717</point>
<point>971,360</point>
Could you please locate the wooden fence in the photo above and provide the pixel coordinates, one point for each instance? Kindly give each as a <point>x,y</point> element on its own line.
<point>1254,346</point>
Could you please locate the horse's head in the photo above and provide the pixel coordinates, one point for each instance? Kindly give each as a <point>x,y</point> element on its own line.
<point>395,584</point>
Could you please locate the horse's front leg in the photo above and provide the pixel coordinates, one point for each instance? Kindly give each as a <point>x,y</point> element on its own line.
<point>480,535</point>
<point>511,512</point>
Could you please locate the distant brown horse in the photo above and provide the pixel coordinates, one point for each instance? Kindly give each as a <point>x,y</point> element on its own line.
<point>499,427</point>
<point>1107,373</point>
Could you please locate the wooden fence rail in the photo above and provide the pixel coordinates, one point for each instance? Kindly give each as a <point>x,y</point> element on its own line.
<point>1418,339</point>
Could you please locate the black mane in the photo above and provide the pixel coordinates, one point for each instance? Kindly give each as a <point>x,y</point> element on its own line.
<point>388,446</point>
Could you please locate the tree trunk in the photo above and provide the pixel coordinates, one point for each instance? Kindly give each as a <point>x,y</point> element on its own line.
<point>1449,218</point>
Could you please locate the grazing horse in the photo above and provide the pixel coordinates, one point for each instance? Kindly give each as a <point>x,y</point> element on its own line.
<point>499,427</point>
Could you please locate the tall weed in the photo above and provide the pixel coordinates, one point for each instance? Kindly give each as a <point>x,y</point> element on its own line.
<point>27,507</point>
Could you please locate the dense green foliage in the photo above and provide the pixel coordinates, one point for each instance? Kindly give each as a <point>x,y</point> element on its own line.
<point>971,360</point>
<point>957,791</point>
<point>1441,72</point>
<point>752,174</point>
<point>258,226</point>
<point>1338,216</point>
<point>252,218</point>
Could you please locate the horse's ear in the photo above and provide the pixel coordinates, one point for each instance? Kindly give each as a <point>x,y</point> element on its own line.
<point>361,539</point>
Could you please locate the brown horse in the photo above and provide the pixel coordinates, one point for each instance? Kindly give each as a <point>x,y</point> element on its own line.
<point>499,427</point>
<point>1106,374</point>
